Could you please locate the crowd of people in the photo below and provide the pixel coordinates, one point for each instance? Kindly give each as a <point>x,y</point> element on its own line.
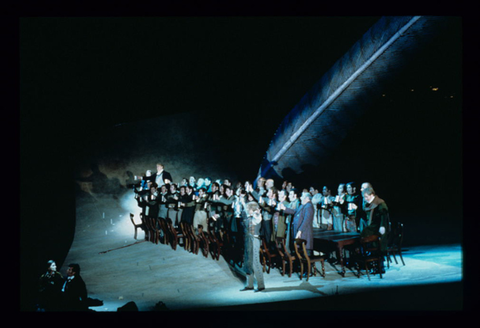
<point>249,214</point>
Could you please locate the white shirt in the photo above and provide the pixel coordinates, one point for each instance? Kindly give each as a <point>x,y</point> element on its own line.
<point>68,280</point>
<point>159,179</point>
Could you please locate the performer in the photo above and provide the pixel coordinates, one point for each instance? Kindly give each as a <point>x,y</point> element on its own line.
<point>162,201</point>
<point>161,177</point>
<point>239,212</point>
<point>268,209</point>
<point>363,219</point>
<point>172,205</point>
<point>152,202</point>
<point>316,200</point>
<point>293,204</point>
<point>227,200</point>
<point>378,218</point>
<point>326,217</point>
<point>50,285</point>
<point>377,213</point>
<point>339,209</point>
<point>187,203</point>
<point>278,221</point>
<point>303,220</point>
<point>74,290</point>
<point>252,223</point>
<point>354,205</point>
<point>200,217</point>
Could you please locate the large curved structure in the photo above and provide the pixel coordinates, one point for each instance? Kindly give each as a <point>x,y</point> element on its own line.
<point>321,120</point>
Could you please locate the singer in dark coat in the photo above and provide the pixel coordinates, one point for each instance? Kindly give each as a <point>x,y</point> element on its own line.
<point>303,220</point>
<point>161,177</point>
<point>378,217</point>
<point>74,290</point>
<point>50,286</point>
<point>188,205</point>
<point>251,222</point>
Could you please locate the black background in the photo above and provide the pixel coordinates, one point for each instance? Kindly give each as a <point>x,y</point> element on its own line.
<point>92,74</point>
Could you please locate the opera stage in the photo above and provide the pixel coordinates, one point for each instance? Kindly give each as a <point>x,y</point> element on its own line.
<point>101,104</point>
<point>119,269</point>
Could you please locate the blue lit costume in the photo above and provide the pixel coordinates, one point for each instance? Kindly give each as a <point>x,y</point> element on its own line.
<point>251,261</point>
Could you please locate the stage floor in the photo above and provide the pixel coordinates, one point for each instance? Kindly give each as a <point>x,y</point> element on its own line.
<point>118,269</point>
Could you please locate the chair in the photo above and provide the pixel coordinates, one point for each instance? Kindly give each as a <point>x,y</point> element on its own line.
<point>204,241</point>
<point>215,242</point>
<point>268,258</point>
<point>166,233</point>
<point>285,255</point>
<point>188,240</point>
<point>193,239</point>
<point>136,226</point>
<point>175,235</point>
<point>147,227</point>
<point>394,245</point>
<point>304,258</point>
<point>227,244</point>
<point>233,246</point>
<point>349,224</point>
<point>370,253</point>
<point>155,231</point>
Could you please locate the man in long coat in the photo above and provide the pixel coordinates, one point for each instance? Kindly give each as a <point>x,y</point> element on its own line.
<point>251,221</point>
<point>303,220</point>
<point>378,217</point>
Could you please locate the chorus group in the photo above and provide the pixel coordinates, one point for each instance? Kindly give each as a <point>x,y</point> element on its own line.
<point>239,215</point>
<point>249,214</point>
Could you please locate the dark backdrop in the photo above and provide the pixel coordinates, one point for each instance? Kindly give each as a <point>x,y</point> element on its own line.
<point>84,81</point>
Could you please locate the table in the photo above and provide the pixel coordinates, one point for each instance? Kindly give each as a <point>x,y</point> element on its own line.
<point>326,240</point>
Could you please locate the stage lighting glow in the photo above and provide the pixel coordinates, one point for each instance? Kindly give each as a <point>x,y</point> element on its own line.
<point>129,203</point>
<point>123,225</point>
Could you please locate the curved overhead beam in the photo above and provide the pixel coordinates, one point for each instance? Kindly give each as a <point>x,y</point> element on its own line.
<point>323,117</point>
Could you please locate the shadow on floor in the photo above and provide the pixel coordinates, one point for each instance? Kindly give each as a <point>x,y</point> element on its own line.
<point>434,297</point>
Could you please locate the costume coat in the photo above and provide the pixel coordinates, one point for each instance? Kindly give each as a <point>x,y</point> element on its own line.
<point>227,210</point>
<point>152,207</point>
<point>339,211</point>
<point>352,214</point>
<point>50,287</point>
<point>326,206</point>
<point>316,200</point>
<point>75,294</point>
<point>200,216</point>
<point>162,206</point>
<point>188,209</point>
<point>164,175</point>
<point>289,223</point>
<point>279,225</point>
<point>172,205</point>
<point>303,221</point>
<point>378,216</point>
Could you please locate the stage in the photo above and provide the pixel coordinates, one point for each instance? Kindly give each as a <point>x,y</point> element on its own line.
<point>119,269</point>
<point>102,99</point>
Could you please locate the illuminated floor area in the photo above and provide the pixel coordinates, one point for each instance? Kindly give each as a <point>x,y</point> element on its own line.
<point>119,269</point>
